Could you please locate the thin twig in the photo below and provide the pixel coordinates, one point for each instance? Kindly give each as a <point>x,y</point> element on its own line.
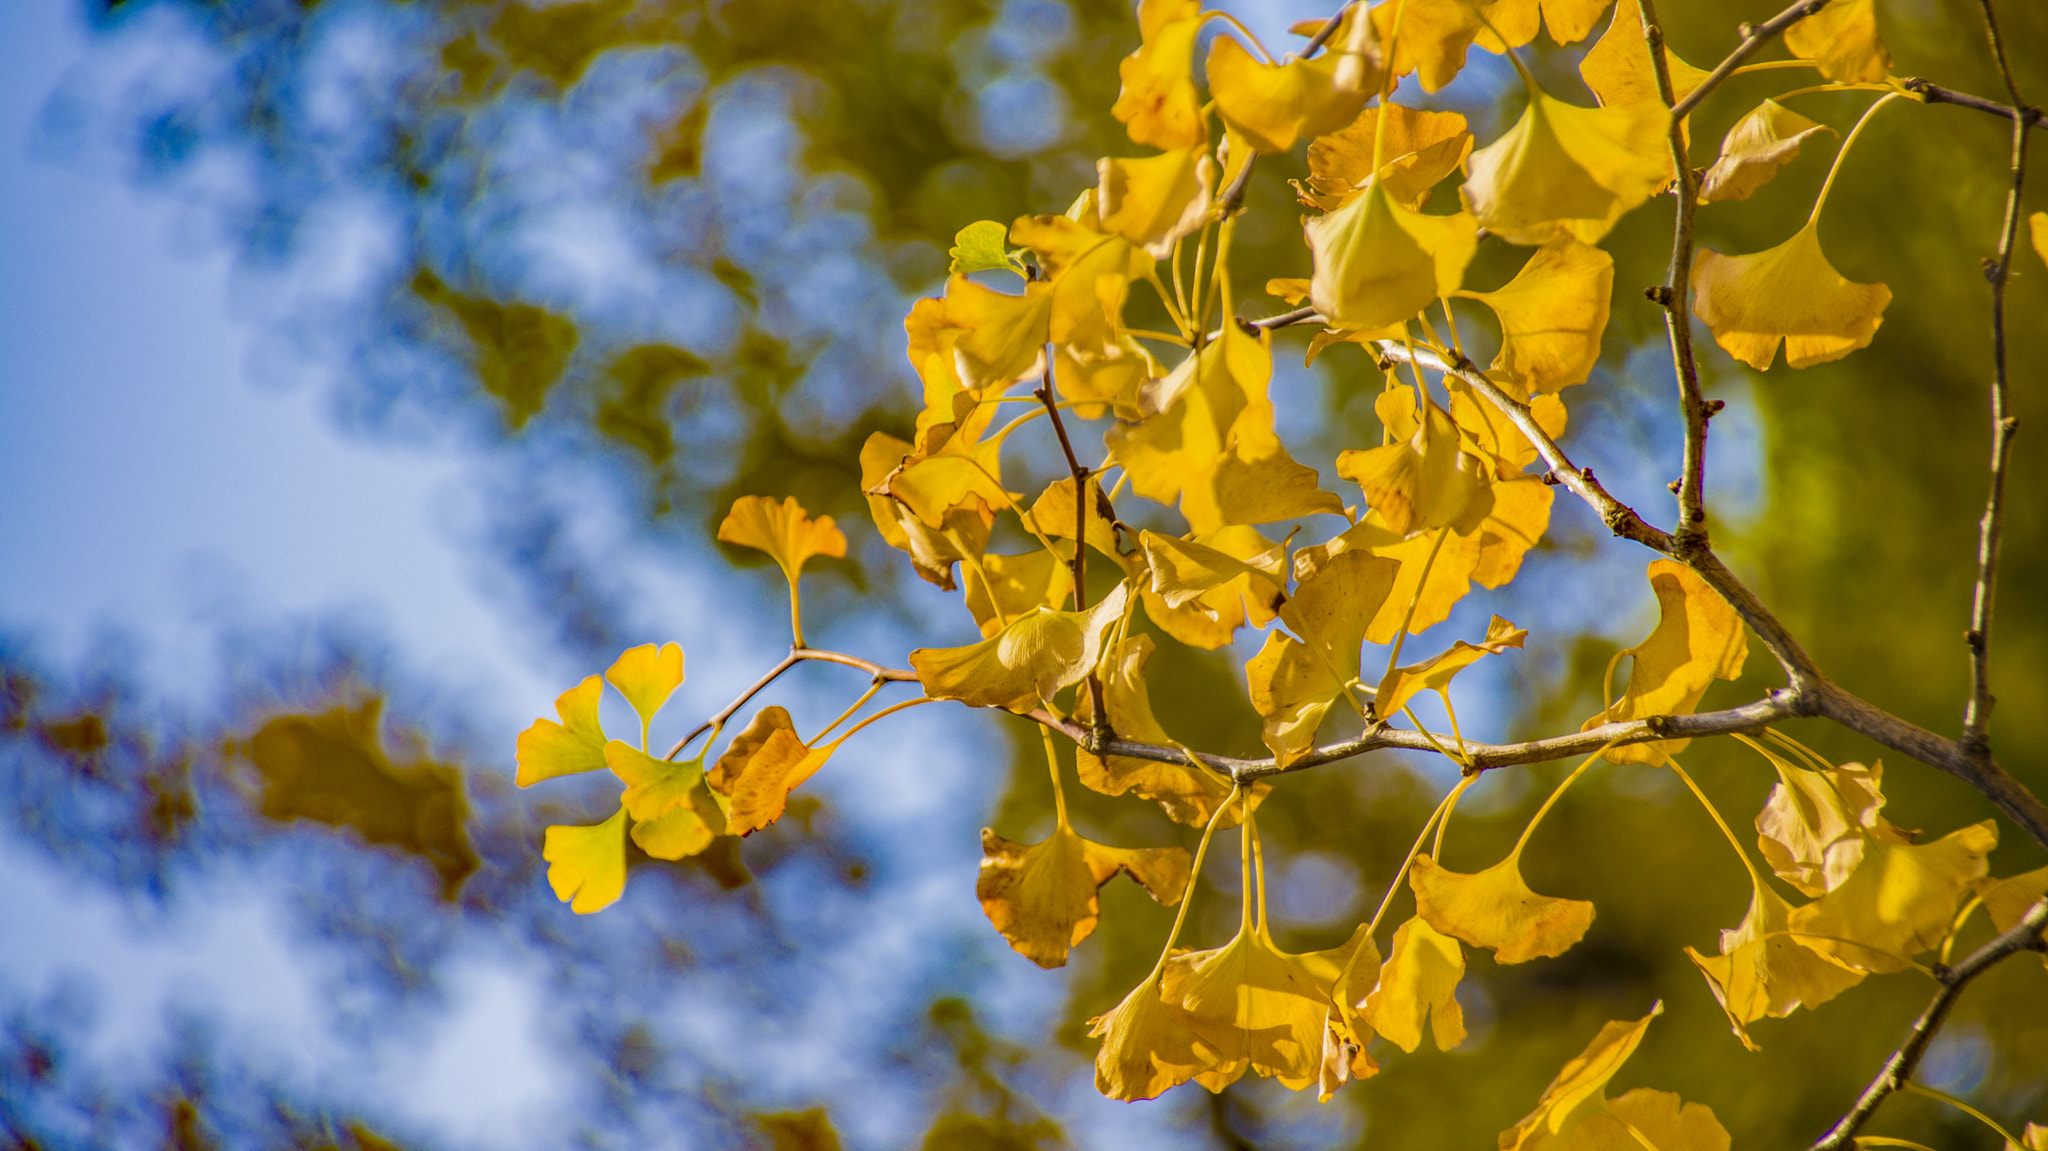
<point>876,672</point>
<point>1898,1070</point>
<point>1079,564</point>
<point>1977,712</point>
<point>1674,296</point>
<point>1754,36</point>
<point>1932,93</point>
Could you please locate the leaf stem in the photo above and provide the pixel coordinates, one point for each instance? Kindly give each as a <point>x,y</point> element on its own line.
<point>1755,876</point>
<point>1842,153</point>
<point>1052,764</point>
<point>1194,876</point>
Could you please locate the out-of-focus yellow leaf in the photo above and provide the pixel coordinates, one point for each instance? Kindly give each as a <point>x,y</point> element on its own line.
<point>1015,584</point>
<point>1424,480</point>
<point>980,247</point>
<point>1434,35</point>
<point>1256,1005</point>
<point>1619,71</point>
<point>1154,201</point>
<point>1378,263</point>
<point>1764,970</point>
<point>762,765</point>
<point>1698,638</point>
<point>1900,901</point>
<point>548,749</point>
<point>1273,105</point>
<point>1789,293</point>
<point>798,1130</point>
<point>2007,900</point>
<point>673,813</point>
<point>1659,1117</point>
<point>1146,1049</point>
<point>1754,149</point>
<point>1841,39</point>
<point>1814,824</point>
<point>647,675</point>
<point>1028,661</point>
<point>784,530</point>
<point>1187,793</point>
<point>1042,896</point>
<point>1567,169</point>
<point>587,865</point>
<point>1552,315</point>
<point>1421,149</point>
<point>1583,1081</point>
<point>1292,681</point>
<point>1495,909</point>
<point>2037,227</point>
<point>1158,104</point>
<point>1435,673</point>
<point>1418,983</point>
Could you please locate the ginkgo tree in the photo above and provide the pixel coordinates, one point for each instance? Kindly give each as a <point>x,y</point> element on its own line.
<point>1352,583</point>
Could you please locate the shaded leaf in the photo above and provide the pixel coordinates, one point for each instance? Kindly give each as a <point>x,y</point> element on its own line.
<point>1154,201</point>
<point>1552,316</point>
<point>1813,826</point>
<point>1293,681</point>
<point>1841,39</point>
<point>1435,673</point>
<point>980,247</point>
<point>1619,70</point>
<point>1378,263</point>
<point>1158,104</point>
<point>1273,105</point>
<point>1146,1049</point>
<point>1582,1081</point>
<point>1789,293</point>
<point>1257,1006</point>
<point>673,814</point>
<point>1495,909</point>
<point>1418,983</point>
<point>1754,149</point>
<point>1042,896</point>
<point>1188,794</point>
<point>1900,901</point>
<point>1567,169</point>
<point>1029,660</point>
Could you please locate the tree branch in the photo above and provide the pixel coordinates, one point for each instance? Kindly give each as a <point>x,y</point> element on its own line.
<point>1754,36</point>
<point>796,656</point>
<point>1932,93</point>
<point>1898,1070</point>
<point>1079,564</point>
<point>1977,712</point>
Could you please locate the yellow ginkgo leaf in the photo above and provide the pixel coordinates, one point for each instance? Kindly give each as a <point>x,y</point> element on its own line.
<point>956,467</point>
<point>1420,149</point>
<point>1273,105</point>
<point>2037,227</point>
<point>1698,638</point>
<point>1490,431</point>
<point>1293,682</point>
<point>1003,336</point>
<point>1495,909</point>
<point>1158,103</point>
<point>2007,900</point>
<point>1211,618</point>
<point>1645,1115</point>
<point>1583,1080</point>
<point>932,552</point>
<point>1183,569</point>
<point>784,530</point>
<point>1255,1004</point>
<point>1378,263</point>
<point>762,765</point>
<point>1619,70</point>
<point>1900,901</point>
<point>1425,479</point>
<point>1435,673</point>
<point>1146,1049</point>
<point>1187,793</point>
<point>1552,316</point>
<point>1434,35</point>
<point>647,675</point>
<point>673,813</point>
<point>1813,827</point>
<point>1789,293</point>
<point>587,865</point>
<point>1764,970</point>
<point>1567,169</point>
<point>1042,896</point>
<point>1418,983</point>
<point>548,749</point>
<point>1054,513</point>
<point>1026,662</point>
<point>1841,39</point>
<point>1002,587</point>
<point>1754,149</point>
<point>1154,201</point>
<point>1346,1032</point>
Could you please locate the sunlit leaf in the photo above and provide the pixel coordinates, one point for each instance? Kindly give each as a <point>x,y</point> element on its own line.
<point>784,530</point>
<point>1495,909</point>
<point>1146,1049</point>
<point>1346,1031</point>
<point>1619,70</point>
<point>673,814</point>
<point>1434,35</point>
<point>1552,315</point>
<point>1003,336</point>
<point>1813,826</point>
<point>2007,900</point>
<point>1002,587</point>
<point>1421,149</point>
<point>1435,673</point>
<point>1698,638</point>
<point>1158,104</point>
<point>1424,480</point>
<point>548,749</point>
<point>1210,617</point>
<point>1417,984</point>
<point>1579,1090</point>
<point>932,551</point>
<point>1255,1004</point>
<point>1378,263</point>
<point>1789,293</point>
<point>1567,169</point>
<point>762,765</point>
<point>587,865</point>
<point>1188,794</point>
<point>1154,201</point>
<point>1764,970</point>
<point>1659,1118</point>
<point>2037,228</point>
<point>980,247</point>
<point>1900,901</point>
<point>1029,660</point>
<point>1274,105</point>
<point>647,675</point>
<point>1042,896</point>
<point>1293,682</point>
<point>1841,39</point>
<point>1754,149</point>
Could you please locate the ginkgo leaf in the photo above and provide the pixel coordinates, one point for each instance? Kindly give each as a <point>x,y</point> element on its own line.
<point>1789,293</point>
<point>1567,169</point>
<point>979,247</point>
<point>2007,900</point>
<point>1552,316</point>
<point>1002,587</point>
<point>1495,909</point>
<point>1764,970</point>
<point>1003,336</point>
<point>1029,660</point>
<point>1900,901</point>
<point>1378,263</point>
<point>1841,39</point>
<point>1183,569</point>
<point>1154,201</point>
<point>673,814</point>
<point>932,552</point>
<point>1583,1080</point>
<point>784,530</point>
<point>2037,228</point>
<point>1158,104</point>
<point>1055,515</point>
<point>647,675</point>
<point>762,765</point>
<point>1434,674</point>
<point>1425,479</point>
<point>1273,105</point>
<point>956,467</point>
<point>1434,35</point>
<point>1212,617</point>
<point>1146,1049</point>
<point>587,865</point>
<point>1645,1115</point>
<point>1754,149</point>
<point>1346,1032</point>
<point>1418,983</point>
<point>1420,148</point>
<point>1188,794</point>
<point>1292,681</point>
<point>1253,1003</point>
<point>1490,431</point>
<point>1698,638</point>
<point>548,749</point>
<point>1813,826</point>
<point>1042,897</point>
<point>1619,70</point>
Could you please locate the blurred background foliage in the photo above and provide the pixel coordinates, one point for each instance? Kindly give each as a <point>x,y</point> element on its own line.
<point>674,242</point>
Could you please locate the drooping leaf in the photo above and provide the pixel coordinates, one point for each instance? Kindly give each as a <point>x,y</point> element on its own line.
<point>1146,1049</point>
<point>1378,263</point>
<point>548,749</point>
<point>647,675</point>
<point>1346,1032</point>
<point>1421,148</point>
<point>1187,793</point>
<point>1425,479</point>
<point>1209,618</point>
<point>1579,1091</point>
<point>2007,900</point>
<point>1434,35</point>
<point>1619,70</point>
<point>1002,587</point>
<point>1813,826</point>
<point>1667,1122</point>
<point>1900,901</point>
<point>1418,983</point>
<point>1698,638</point>
<point>1042,896</point>
<point>980,247</point>
<point>1567,169</point>
<point>1256,1005</point>
<point>1788,294</point>
<point>1435,673</point>
<point>1031,659</point>
<point>762,765</point>
<point>1273,105</point>
<point>587,865</point>
<point>1764,970</point>
<point>784,530</point>
<point>1158,103</point>
<point>1002,337</point>
<point>932,551</point>
<point>1495,909</point>
<point>1552,316</point>
<point>1754,149</point>
<point>1154,201</point>
<point>1841,39</point>
<point>1295,679</point>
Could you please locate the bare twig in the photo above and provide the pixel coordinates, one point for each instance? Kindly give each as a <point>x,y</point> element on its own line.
<point>1977,712</point>
<point>1932,93</point>
<point>1754,36</point>
<point>876,672</point>
<point>1898,1070</point>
